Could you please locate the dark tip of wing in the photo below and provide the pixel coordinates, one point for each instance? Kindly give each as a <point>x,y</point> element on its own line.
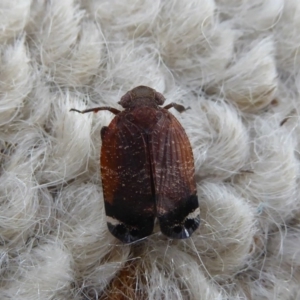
<point>126,234</point>
<point>180,231</point>
<point>130,222</point>
<point>183,221</point>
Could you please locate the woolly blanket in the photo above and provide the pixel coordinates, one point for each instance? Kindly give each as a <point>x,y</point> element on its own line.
<point>234,63</point>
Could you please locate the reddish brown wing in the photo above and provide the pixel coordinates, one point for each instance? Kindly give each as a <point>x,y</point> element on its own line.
<point>126,180</point>
<point>173,174</point>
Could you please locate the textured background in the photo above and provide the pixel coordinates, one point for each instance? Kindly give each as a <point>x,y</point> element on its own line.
<point>234,62</point>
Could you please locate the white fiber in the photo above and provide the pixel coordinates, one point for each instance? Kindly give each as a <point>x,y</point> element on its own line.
<point>256,69</point>
<point>221,148</point>
<point>14,15</point>
<point>15,79</point>
<point>235,64</point>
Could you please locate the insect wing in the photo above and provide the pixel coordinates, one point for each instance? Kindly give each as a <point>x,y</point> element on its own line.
<point>172,163</point>
<point>126,180</point>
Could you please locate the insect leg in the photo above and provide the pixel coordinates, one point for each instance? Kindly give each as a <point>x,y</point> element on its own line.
<point>96,109</point>
<point>178,107</point>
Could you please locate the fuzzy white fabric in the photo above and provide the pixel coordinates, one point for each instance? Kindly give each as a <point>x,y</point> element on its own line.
<point>235,63</point>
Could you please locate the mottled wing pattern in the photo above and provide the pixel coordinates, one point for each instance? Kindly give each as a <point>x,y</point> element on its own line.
<point>126,180</point>
<point>172,165</point>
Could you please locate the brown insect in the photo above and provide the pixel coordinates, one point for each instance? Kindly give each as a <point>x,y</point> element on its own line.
<point>147,169</point>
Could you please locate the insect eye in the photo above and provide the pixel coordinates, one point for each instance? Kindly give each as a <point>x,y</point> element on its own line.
<point>160,99</point>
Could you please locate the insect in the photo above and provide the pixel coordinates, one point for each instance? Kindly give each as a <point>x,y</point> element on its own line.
<point>147,169</point>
